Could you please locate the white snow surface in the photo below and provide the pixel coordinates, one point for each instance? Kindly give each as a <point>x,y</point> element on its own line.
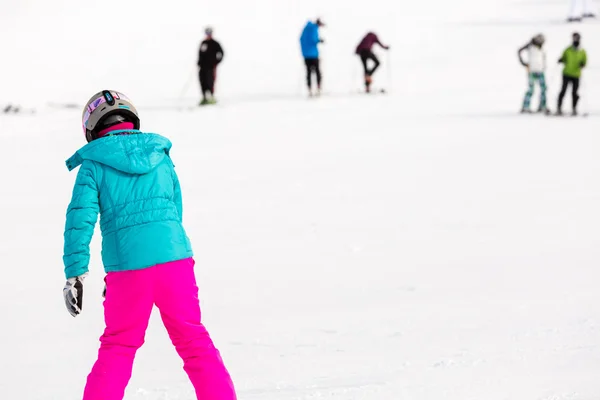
<point>429,243</point>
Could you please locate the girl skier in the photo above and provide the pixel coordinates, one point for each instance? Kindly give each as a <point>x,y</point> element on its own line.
<point>128,178</point>
<point>536,68</point>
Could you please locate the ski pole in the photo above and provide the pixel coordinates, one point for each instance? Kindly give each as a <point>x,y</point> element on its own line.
<point>355,74</point>
<point>389,67</point>
<point>187,85</point>
<point>584,100</point>
<point>552,77</point>
<point>301,81</point>
<point>554,74</point>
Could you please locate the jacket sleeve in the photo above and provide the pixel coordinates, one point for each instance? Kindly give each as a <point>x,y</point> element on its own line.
<point>200,54</point>
<point>177,196</point>
<point>563,57</point>
<point>584,59</point>
<point>220,53</point>
<point>315,36</point>
<point>82,214</point>
<point>379,42</point>
<point>521,56</point>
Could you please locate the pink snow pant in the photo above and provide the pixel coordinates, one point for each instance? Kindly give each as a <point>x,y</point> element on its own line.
<point>130,297</point>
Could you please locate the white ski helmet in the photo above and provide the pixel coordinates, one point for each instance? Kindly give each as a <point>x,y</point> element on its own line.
<point>539,39</point>
<point>107,108</point>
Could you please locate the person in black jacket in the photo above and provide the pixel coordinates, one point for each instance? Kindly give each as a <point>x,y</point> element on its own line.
<point>209,56</point>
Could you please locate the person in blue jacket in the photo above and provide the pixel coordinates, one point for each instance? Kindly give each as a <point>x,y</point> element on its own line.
<point>127,177</point>
<point>309,41</point>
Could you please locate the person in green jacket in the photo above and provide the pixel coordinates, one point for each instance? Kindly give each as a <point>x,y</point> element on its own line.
<point>574,59</point>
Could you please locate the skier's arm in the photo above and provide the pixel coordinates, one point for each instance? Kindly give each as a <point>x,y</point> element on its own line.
<point>220,53</point>
<point>82,214</point>
<point>381,44</point>
<point>584,60</point>
<point>177,196</point>
<point>519,53</point>
<point>563,57</point>
<point>316,38</point>
<point>199,54</point>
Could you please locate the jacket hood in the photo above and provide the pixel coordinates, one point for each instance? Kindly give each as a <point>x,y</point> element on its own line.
<point>135,153</point>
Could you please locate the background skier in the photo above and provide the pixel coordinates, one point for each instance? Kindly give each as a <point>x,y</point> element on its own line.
<point>309,41</point>
<point>536,67</point>
<point>580,9</point>
<point>365,51</point>
<point>574,58</point>
<point>209,56</point>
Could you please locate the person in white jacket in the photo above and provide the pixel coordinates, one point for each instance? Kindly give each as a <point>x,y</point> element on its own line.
<point>580,9</point>
<point>536,69</point>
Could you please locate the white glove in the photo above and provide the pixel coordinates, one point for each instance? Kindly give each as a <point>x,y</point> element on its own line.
<point>73,294</point>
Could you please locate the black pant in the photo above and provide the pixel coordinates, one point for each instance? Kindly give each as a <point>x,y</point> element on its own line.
<point>365,56</point>
<point>312,65</point>
<point>207,79</point>
<point>563,91</point>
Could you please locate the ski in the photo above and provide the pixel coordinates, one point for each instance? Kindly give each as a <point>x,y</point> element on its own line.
<point>372,91</point>
<point>568,115</point>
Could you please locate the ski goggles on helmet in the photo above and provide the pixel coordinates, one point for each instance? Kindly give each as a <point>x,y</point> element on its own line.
<point>109,97</point>
<point>103,105</point>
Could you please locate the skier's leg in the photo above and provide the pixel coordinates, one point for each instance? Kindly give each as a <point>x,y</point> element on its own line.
<point>308,64</point>
<point>210,84</point>
<point>364,58</point>
<point>580,9</point>
<point>201,80</point>
<point>588,10</point>
<point>529,93</point>
<point>127,307</point>
<point>572,7</point>
<point>204,85</point>
<point>177,299</point>
<point>561,95</point>
<point>213,78</point>
<point>575,94</point>
<point>543,88</point>
<point>318,72</point>
<point>374,58</point>
<point>575,10</point>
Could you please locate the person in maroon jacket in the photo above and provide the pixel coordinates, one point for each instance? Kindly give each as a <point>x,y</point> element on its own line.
<point>364,50</point>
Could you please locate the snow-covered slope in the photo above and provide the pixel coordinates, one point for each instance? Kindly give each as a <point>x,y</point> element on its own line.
<point>428,243</point>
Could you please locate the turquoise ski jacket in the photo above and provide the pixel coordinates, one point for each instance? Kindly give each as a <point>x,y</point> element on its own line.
<point>128,179</point>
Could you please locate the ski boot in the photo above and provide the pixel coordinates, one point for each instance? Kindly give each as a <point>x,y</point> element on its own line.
<point>543,110</point>
<point>574,19</point>
<point>208,99</point>
<point>211,98</point>
<point>589,15</point>
<point>368,81</point>
<point>525,110</point>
